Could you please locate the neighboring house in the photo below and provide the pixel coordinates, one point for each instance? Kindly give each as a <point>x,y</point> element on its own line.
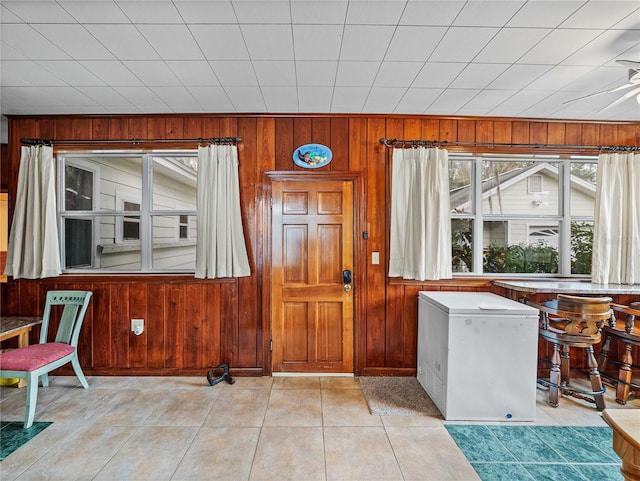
<point>525,192</point>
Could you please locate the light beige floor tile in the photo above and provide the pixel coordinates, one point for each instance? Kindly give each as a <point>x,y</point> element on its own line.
<point>346,407</point>
<point>337,382</point>
<point>289,454</point>
<point>130,407</point>
<point>152,453</point>
<point>13,407</point>
<point>9,391</point>
<point>78,406</point>
<point>286,382</point>
<point>183,407</point>
<point>294,407</point>
<point>219,453</point>
<point>238,407</point>
<point>171,382</point>
<point>411,421</point>
<point>82,454</point>
<point>429,453</point>
<point>264,382</point>
<point>113,382</point>
<point>359,453</point>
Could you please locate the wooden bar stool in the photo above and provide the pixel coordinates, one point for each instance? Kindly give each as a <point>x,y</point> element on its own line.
<point>571,321</point>
<point>624,328</point>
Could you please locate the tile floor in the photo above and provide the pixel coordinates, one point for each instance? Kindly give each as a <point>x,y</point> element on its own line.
<point>282,428</point>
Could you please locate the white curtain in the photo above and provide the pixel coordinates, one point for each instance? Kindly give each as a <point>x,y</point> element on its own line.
<point>420,244</point>
<point>616,229</point>
<point>33,251</point>
<point>220,248</point>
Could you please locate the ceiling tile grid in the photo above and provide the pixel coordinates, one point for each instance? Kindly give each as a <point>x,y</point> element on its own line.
<point>516,58</point>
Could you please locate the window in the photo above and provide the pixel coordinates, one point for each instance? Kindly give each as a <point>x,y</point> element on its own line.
<point>145,220</point>
<point>522,214</point>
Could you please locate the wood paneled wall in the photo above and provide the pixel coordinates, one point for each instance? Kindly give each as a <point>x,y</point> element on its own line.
<point>193,324</point>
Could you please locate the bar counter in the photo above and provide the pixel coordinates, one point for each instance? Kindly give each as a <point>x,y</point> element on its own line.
<point>568,287</point>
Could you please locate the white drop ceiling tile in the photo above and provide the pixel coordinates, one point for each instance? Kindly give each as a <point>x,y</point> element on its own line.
<point>8,53</point>
<point>150,11</point>
<point>315,99</point>
<point>172,42</point>
<point>397,74</point>
<point>262,11</point>
<point>601,78</point>
<point>104,96</point>
<point>558,45</point>
<point>486,100</point>
<point>603,48</point>
<point>138,95</point>
<point>364,42</point>
<point>558,77</point>
<point>280,99</point>
<point>39,11</point>
<point>71,72</point>
<point>419,12</point>
<point>193,72</point>
<point>414,43</point>
<point>349,99</point>
<point>383,99</point>
<point>451,101</point>
<point>630,22</point>
<point>488,13</point>
<point>356,74</point>
<point>438,74</point>
<point>518,102</point>
<point>18,72</point>
<point>174,96</point>
<point>246,99</point>
<point>64,96</point>
<point>386,12</point>
<point>544,13</point>
<point>124,41</point>
<point>275,73</point>
<point>544,107</point>
<point>75,41</point>
<point>510,44</point>
<point>268,42</point>
<point>197,11</point>
<point>478,75</point>
<point>314,12</point>
<point>220,42</point>
<point>462,44</point>
<point>30,43</point>
<point>517,76</point>
<point>235,73</point>
<point>7,16</point>
<point>599,14</point>
<point>308,47</point>
<point>112,72</point>
<point>152,72</point>
<point>213,99</point>
<point>417,100</point>
<point>95,12</point>
<point>316,74</point>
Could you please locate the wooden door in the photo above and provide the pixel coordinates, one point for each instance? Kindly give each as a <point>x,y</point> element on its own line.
<point>311,306</point>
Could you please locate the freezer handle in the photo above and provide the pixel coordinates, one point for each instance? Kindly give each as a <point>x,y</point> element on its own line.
<point>487,307</point>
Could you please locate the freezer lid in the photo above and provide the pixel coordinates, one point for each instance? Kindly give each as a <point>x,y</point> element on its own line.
<point>475,303</point>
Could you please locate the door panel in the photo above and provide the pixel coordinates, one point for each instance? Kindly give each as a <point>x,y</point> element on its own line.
<point>312,244</point>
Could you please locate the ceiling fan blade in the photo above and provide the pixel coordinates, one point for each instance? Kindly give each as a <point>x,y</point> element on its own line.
<point>629,63</point>
<point>629,94</point>
<point>617,89</point>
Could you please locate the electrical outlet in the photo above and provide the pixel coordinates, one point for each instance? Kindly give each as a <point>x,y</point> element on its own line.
<point>137,325</point>
<point>375,258</point>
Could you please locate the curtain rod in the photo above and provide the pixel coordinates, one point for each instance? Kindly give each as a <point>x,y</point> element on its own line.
<point>200,140</point>
<point>444,143</point>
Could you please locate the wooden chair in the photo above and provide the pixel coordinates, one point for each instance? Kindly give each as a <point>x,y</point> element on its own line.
<point>625,329</point>
<point>572,321</point>
<point>37,360</point>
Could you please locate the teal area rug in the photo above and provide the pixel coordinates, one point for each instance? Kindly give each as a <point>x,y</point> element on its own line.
<point>537,453</point>
<point>13,435</point>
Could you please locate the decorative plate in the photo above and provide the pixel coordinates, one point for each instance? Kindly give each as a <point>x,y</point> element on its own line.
<point>312,156</point>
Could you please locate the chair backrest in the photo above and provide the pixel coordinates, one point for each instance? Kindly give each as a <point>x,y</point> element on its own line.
<point>75,306</point>
<point>582,315</point>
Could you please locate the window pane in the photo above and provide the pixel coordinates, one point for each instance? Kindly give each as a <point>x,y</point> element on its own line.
<point>519,187</point>
<point>581,247</point>
<point>78,239</point>
<point>174,183</point>
<point>460,186</point>
<point>170,249</point>
<point>583,188</point>
<point>461,245</point>
<point>520,246</point>
<point>115,255</point>
<point>78,188</point>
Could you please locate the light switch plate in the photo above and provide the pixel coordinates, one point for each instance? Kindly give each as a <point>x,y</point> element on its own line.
<point>375,258</point>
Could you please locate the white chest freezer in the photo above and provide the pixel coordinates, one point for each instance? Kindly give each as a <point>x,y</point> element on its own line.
<point>477,355</point>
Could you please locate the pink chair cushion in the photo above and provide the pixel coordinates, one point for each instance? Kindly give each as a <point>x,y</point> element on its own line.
<point>32,357</point>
